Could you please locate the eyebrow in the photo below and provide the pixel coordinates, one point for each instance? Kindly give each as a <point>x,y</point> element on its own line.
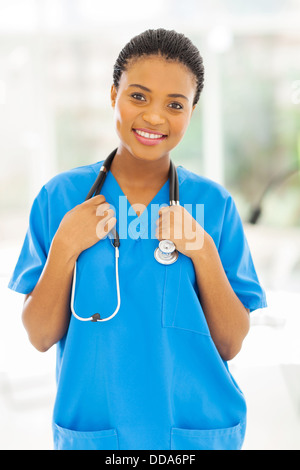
<point>171,95</point>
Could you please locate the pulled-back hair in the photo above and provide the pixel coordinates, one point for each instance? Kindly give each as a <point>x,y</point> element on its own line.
<point>170,45</point>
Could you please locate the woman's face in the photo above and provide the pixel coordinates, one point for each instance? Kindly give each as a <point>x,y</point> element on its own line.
<point>153,106</point>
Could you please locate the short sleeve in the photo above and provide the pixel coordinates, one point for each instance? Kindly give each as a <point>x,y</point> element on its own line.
<point>35,247</point>
<point>237,260</point>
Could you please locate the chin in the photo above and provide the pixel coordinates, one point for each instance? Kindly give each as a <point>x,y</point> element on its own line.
<point>146,154</point>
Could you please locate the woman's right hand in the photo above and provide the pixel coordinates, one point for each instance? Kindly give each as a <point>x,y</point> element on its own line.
<point>85,225</point>
<point>46,311</point>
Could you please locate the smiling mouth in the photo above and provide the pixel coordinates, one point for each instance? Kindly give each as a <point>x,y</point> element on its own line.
<point>149,135</point>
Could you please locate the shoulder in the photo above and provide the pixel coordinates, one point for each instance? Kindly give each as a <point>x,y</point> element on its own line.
<point>214,203</point>
<point>65,190</point>
<point>61,194</point>
<point>72,186</point>
<point>73,176</point>
<point>201,188</point>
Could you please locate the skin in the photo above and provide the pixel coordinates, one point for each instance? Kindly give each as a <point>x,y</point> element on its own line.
<point>142,101</point>
<point>142,170</point>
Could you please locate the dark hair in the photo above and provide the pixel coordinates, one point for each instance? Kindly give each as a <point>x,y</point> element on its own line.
<point>170,45</point>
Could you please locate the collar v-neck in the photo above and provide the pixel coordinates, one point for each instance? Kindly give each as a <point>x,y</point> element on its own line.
<point>145,220</point>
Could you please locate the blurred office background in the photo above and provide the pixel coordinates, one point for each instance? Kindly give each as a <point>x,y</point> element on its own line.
<point>56,60</point>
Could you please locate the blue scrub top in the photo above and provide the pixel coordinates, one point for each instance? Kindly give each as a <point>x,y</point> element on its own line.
<point>150,378</point>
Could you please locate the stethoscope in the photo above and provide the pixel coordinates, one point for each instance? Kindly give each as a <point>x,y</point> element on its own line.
<point>165,253</point>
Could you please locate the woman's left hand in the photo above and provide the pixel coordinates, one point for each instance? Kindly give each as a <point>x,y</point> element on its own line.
<point>175,223</point>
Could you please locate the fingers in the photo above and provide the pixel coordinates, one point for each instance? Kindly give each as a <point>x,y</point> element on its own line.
<point>105,213</point>
<point>165,209</point>
<point>96,200</point>
<point>166,226</point>
<point>107,219</point>
<point>110,225</point>
<point>102,209</point>
<point>106,223</point>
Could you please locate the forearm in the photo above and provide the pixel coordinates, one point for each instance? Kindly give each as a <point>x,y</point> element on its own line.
<point>46,311</point>
<point>227,318</point>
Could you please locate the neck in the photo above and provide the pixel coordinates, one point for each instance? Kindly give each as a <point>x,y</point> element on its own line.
<point>138,172</point>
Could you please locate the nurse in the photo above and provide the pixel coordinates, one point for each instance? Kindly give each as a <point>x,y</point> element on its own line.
<point>155,376</point>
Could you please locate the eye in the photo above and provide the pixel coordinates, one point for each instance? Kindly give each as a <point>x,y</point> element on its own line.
<point>138,96</point>
<point>176,106</point>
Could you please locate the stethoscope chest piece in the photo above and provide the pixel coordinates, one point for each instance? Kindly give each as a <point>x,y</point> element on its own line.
<point>166,252</point>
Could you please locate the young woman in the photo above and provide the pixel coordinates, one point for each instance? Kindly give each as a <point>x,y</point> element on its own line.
<point>154,375</point>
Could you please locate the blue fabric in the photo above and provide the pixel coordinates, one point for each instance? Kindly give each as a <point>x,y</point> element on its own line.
<point>150,378</point>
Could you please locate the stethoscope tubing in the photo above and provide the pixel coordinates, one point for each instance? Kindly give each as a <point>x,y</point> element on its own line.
<point>96,317</point>
<point>114,236</point>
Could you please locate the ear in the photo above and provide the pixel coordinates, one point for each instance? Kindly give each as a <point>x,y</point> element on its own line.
<point>193,109</point>
<point>113,95</point>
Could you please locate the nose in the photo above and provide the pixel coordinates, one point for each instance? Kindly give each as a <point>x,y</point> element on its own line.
<point>154,118</point>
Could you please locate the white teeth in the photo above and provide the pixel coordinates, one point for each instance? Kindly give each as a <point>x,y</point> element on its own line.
<point>149,136</point>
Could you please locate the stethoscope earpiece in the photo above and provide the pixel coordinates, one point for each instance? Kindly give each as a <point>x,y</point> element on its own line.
<point>166,252</point>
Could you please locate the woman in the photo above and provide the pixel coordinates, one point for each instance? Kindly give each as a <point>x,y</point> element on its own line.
<point>155,376</point>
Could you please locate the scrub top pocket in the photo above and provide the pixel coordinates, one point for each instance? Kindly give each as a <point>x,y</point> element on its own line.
<point>67,439</point>
<point>207,439</point>
<point>181,306</point>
